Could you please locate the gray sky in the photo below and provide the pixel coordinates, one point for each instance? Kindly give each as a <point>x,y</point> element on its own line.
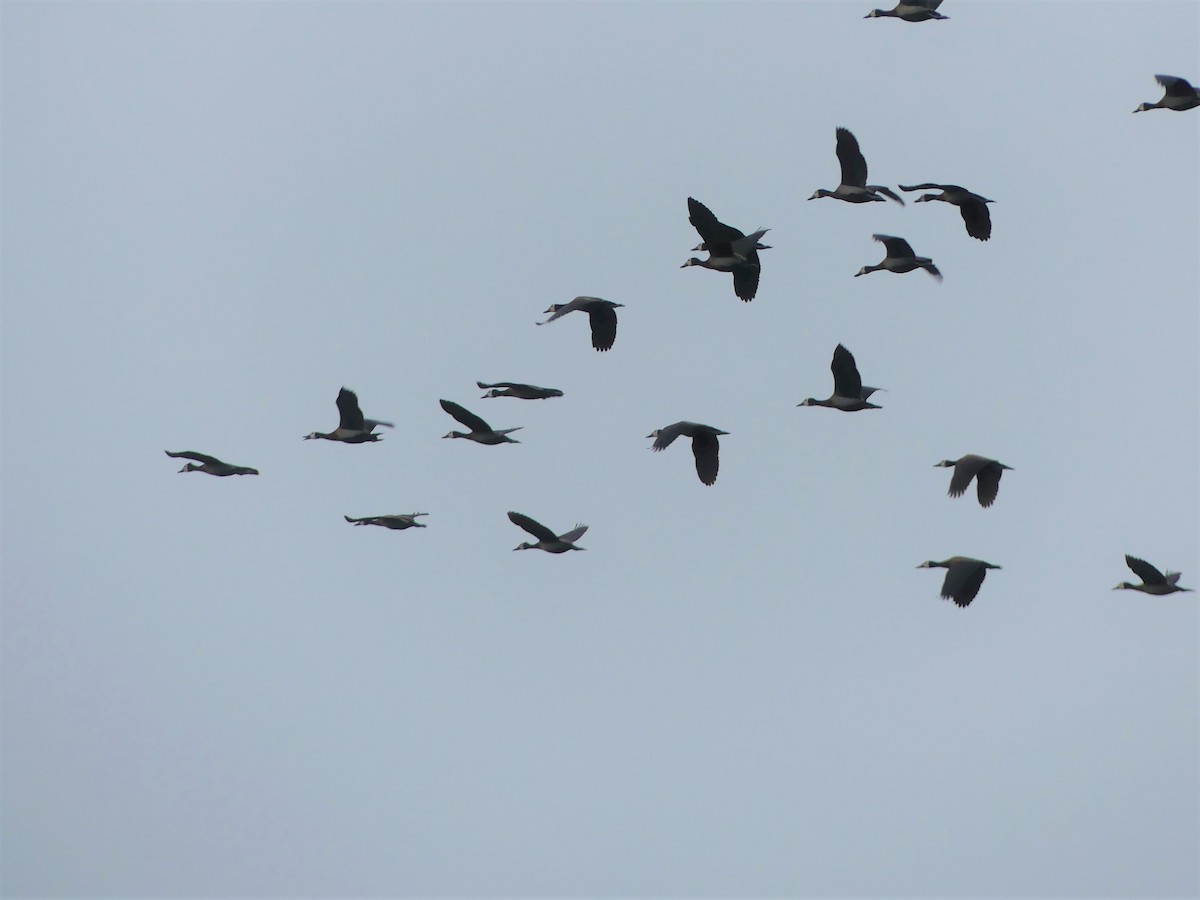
<point>215,215</point>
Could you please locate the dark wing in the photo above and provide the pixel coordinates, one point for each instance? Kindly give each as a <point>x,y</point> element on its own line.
<point>1175,87</point>
<point>927,186</point>
<point>960,480</point>
<point>501,384</point>
<point>745,277</point>
<point>896,247</point>
<point>469,419</point>
<point>666,435</point>
<point>718,237</point>
<point>1144,570</point>
<point>704,448</point>
<point>351,415</point>
<point>574,534</point>
<point>987,484</point>
<point>854,165</point>
<point>846,380</point>
<point>604,325</point>
<point>537,529</point>
<point>963,580</point>
<point>977,218</point>
<point>198,457</point>
<point>887,192</point>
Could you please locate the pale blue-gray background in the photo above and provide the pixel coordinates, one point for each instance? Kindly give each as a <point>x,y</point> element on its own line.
<point>215,215</point>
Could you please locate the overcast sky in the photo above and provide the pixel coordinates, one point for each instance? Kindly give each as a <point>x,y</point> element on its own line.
<point>215,215</point>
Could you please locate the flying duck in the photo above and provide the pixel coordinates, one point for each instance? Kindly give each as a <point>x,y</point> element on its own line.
<point>210,465</point>
<point>853,187</point>
<point>849,395</point>
<point>986,473</point>
<point>481,432</point>
<point>396,522</point>
<point>1178,95</point>
<point>1153,581</point>
<point>601,313</point>
<point>963,578</point>
<point>900,258</point>
<point>973,207</point>
<point>704,445</point>
<point>910,11</point>
<point>521,391</point>
<point>352,427</point>
<point>728,249</point>
<point>546,539</point>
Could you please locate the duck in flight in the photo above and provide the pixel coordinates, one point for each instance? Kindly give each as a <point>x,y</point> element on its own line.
<point>1178,94</point>
<point>481,432</point>
<point>602,314</point>
<point>209,465</point>
<point>1153,581</point>
<point>729,250</point>
<point>986,473</point>
<point>973,207</point>
<point>395,522</point>
<point>849,394</point>
<point>705,446</point>
<point>520,391</point>
<point>964,576</point>
<point>900,258</point>
<point>352,428</point>
<point>546,539</point>
<point>853,187</point>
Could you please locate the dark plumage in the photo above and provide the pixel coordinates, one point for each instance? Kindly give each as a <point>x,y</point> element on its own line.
<point>729,250</point>
<point>704,445</point>
<point>986,473</point>
<point>853,187</point>
<point>352,428</point>
<point>1178,94</point>
<point>521,391</point>
<point>910,11</point>
<point>900,258</point>
<point>849,395</point>
<point>601,313</point>
<point>209,465</point>
<point>395,522</point>
<point>546,539</point>
<point>973,207</point>
<point>481,432</point>
<point>963,577</point>
<point>1153,581</point>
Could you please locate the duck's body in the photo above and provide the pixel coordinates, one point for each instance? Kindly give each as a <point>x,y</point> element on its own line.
<point>853,187</point>
<point>1178,94</point>
<point>1153,581</point>
<point>729,250</point>
<point>849,394</point>
<point>481,432</point>
<point>985,471</point>
<point>209,465</point>
<point>705,446</point>
<point>910,11</point>
<point>395,522</point>
<point>900,258</point>
<point>520,391</point>
<point>602,314</point>
<point>352,428</point>
<point>972,206</point>
<point>546,539</point>
<point>964,576</point>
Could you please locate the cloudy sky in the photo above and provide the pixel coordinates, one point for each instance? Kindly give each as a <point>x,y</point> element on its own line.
<point>216,215</point>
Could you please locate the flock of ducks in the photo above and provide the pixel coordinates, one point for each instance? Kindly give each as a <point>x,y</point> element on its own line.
<point>729,250</point>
